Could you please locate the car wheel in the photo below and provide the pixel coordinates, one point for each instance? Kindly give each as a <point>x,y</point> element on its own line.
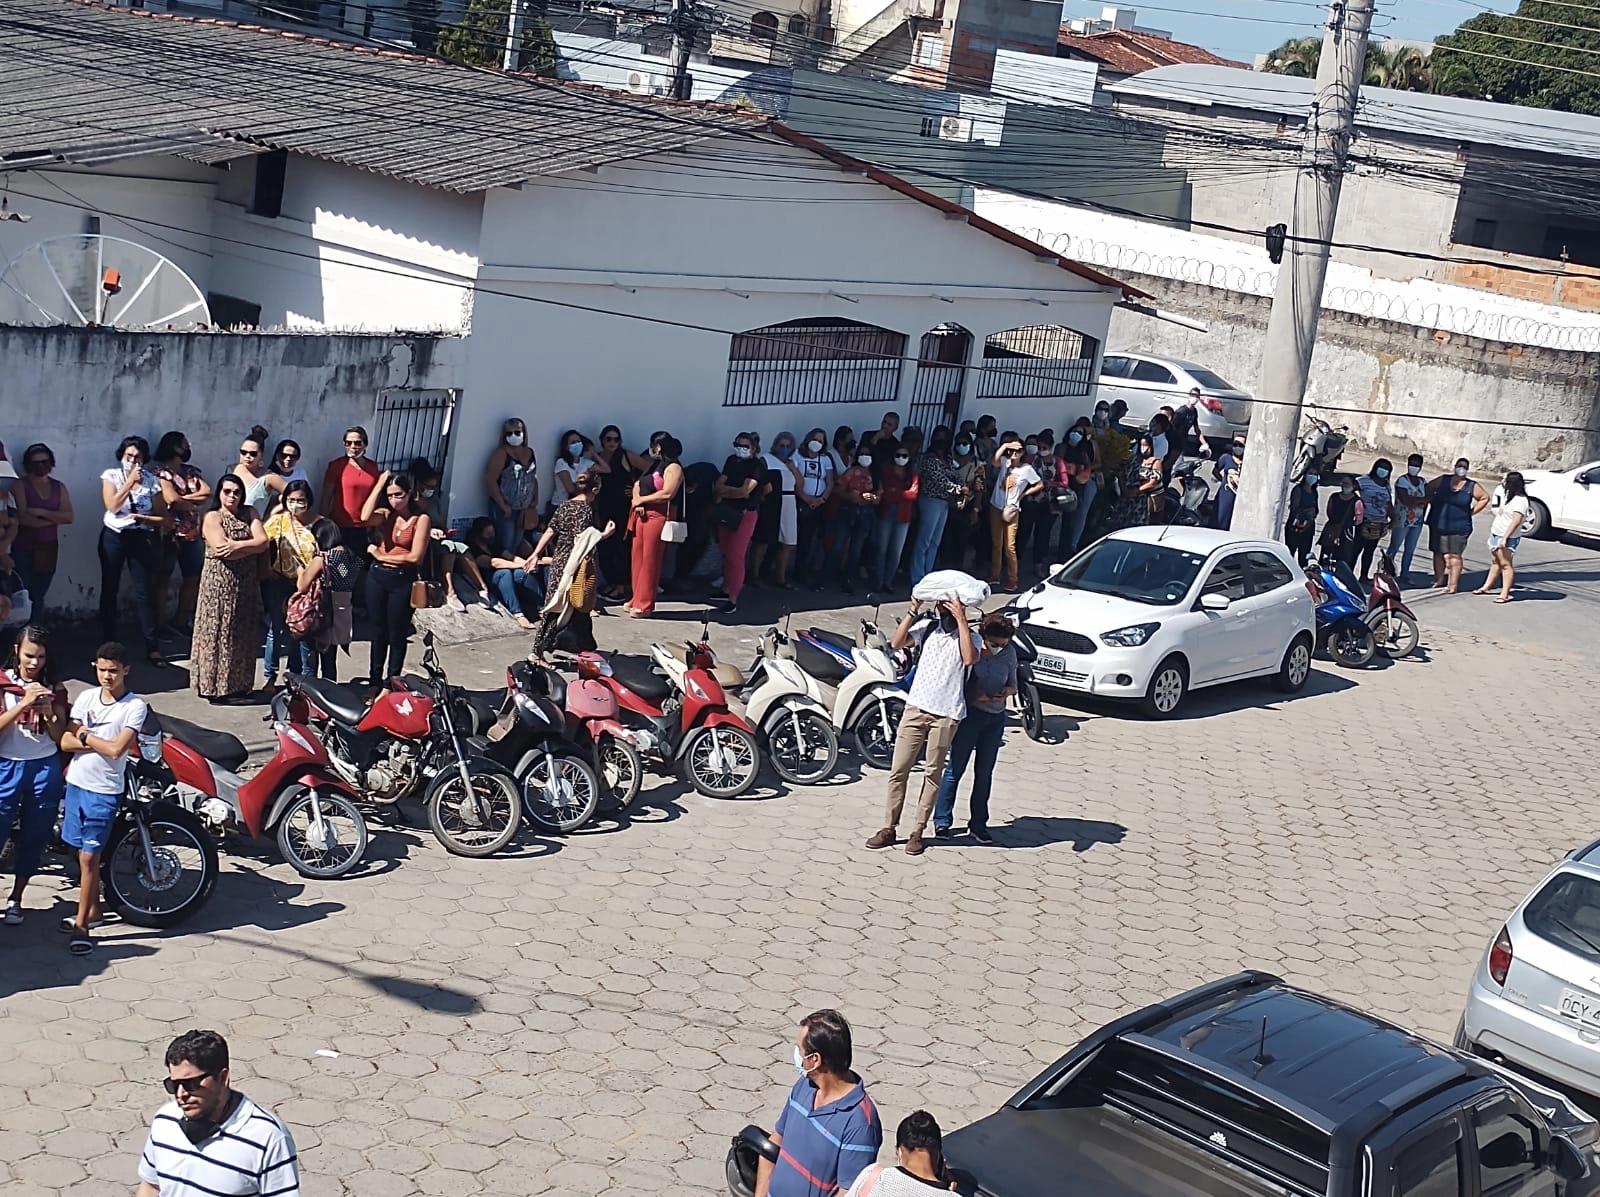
<point>1295,669</point>
<point>1537,524</point>
<point>1168,685</point>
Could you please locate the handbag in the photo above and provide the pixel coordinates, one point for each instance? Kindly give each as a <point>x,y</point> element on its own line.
<point>1065,500</point>
<point>581,593</point>
<point>674,531</point>
<point>426,594</point>
<point>1374,529</point>
<point>727,515</point>
<point>311,611</point>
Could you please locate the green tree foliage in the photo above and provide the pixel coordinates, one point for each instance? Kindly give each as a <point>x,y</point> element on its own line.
<point>480,38</point>
<point>1402,67</point>
<point>1298,57</point>
<point>1544,55</point>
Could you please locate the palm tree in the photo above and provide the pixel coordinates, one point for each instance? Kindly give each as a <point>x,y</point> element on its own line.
<point>1298,57</point>
<point>1401,67</point>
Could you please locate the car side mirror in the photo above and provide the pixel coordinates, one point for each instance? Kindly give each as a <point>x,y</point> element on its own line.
<point>1215,602</point>
<point>1566,1158</point>
<point>1507,1151</point>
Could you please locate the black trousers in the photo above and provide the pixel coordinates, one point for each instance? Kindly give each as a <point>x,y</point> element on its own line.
<point>389,612</point>
<point>140,551</point>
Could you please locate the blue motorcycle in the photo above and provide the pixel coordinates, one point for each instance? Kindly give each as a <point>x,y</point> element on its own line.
<point>1342,629</point>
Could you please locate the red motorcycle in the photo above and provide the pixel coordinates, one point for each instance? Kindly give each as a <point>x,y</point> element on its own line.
<point>1393,624</point>
<point>675,707</point>
<point>296,796</point>
<point>412,735</point>
<point>594,721</point>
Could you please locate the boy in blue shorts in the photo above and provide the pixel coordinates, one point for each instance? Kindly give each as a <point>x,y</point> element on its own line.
<point>102,727</point>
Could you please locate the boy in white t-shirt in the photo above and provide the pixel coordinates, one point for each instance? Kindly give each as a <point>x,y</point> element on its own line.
<point>105,721</point>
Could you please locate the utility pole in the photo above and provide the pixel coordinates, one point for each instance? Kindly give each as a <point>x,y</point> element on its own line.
<point>513,57</point>
<point>1292,327</point>
<point>683,23</point>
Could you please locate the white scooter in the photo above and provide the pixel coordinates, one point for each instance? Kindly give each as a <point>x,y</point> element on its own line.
<point>786,703</point>
<point>864,676</point>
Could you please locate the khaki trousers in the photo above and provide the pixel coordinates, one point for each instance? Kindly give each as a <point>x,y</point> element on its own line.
<point>1003,556</point>
<point>918,731</point>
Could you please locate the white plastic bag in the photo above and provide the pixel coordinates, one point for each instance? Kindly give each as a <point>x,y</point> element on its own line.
<point>951,583</point>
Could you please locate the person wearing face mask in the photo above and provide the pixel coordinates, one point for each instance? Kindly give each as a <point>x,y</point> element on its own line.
<point>812,499</point>
<point>843,451</point>
<point>991,683</point>
<point>967,511</point>
<point>777,523</point>
<point>511,476</point>
<point>184,488</point>
<point>1410,508</point>
<point>1015,480</point>
<point>619,468</point>
<point>1377,505</point>
<point>1102,415</point>
<point>939,489</point>
<point>1301,526</point>
<point>1226,472</point>
<point>1345,517</point>
<point>227,620</point>
<point>1452,502</point>
<point>574,456</point>
<point>899,487</point>
<point>1160,423</point>
<point>855,519</point>
<point>211,1138</point>
<point>829,1130</point>
<point>657,499</point>
<point>1036,508</point>
<point>135,511</point>
<point>291,548</point>
<point>44,507</point>
<point>1082,457</point>
<point>738,498</point>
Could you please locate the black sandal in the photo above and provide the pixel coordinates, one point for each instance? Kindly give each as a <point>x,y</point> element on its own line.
<point>80,944</point>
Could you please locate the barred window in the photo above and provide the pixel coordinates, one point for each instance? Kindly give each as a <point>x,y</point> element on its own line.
<point>1039,361</point>
<point>819,360</point>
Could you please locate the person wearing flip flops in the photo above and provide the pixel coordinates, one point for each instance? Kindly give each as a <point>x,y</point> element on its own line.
<point>101,729</point>
<point>33,715</point>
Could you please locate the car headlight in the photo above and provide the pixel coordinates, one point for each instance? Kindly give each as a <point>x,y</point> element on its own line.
<point>1130,637</point>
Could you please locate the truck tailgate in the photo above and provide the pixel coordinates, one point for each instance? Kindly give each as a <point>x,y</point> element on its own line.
<point>1089,1152</point>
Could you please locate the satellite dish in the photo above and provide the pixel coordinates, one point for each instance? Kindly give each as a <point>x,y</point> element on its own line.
<point>95,281</point>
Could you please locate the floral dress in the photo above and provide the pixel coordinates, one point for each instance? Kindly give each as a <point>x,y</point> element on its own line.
<point>1133,509</point>
<point>571,518</point>
<point>227,620</point>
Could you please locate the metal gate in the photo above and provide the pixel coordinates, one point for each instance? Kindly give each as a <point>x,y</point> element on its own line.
<point>941,366</point>
<point>410,424</point>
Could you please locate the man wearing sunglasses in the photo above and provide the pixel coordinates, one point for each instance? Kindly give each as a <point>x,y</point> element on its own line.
<point>211,1139</point>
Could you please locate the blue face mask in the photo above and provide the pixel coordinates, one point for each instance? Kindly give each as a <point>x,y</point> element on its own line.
<point>786,452</point>
<point>1381,475</point>
<point>1312,480</point>
<point>1074,437</point>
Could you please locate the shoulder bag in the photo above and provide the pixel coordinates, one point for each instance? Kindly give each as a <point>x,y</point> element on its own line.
<point>674,531</point>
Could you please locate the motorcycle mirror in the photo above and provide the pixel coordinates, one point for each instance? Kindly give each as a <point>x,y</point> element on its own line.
<point>427,639</point>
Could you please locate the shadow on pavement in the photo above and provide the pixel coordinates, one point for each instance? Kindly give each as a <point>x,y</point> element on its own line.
<point>425,995</point>
<point>1036,831</point>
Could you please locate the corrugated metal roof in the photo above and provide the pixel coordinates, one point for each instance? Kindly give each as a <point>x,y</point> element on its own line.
<point>1415,114</point>
<point>89,84</point>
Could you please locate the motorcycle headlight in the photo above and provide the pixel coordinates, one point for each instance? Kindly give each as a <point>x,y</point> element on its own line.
<point>1131,636</point>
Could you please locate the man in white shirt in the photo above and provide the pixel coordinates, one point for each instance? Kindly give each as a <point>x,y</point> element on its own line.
<point>212,1140</point>
<point>935,706</point>
<point>101,729</point>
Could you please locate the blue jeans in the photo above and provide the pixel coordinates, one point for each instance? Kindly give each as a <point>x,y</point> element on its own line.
<point>1072,526</point>
<point>1408,535</point>
<point>275,595</point>
<point>888,542</point>
<point>30,793</point>
<point>512,586</point>
<point>37,585</point>
<point>507,530</point>
<point>981,732</point>
<point>932,514</point>
<point>140,552</point>
<point>852,528</point>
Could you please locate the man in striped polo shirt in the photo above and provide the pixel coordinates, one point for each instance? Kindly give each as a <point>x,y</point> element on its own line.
<point>212,1141</point>
<point>829,1129</point>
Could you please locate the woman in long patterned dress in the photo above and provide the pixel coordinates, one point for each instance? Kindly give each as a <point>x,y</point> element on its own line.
<point>1140,482</point>
<point>571,518</point>
<point>227,622</point>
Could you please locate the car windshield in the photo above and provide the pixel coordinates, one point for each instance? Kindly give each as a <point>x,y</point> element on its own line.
<point>1211,382</point>
<point>1567,913</point>
<point>1133,570</point>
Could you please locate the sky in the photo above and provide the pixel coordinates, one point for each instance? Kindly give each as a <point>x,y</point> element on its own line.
<point>1242,29</point>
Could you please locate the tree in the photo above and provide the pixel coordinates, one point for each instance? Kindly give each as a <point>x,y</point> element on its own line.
<point>1298,56</point>
<point>480,38</point>
<point>1544,55</point>
<point>1401,67</point>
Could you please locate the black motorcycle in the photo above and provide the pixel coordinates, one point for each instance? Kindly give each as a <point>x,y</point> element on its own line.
<point>750,1146</point>
<point>1027,689</point>
<point>531,738</point>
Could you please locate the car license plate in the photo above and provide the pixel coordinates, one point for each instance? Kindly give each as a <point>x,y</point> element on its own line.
<point>1581,1007</point>
<point>1051,662</point>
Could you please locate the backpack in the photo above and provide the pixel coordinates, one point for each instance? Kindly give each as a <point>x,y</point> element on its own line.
<point>311,611</point>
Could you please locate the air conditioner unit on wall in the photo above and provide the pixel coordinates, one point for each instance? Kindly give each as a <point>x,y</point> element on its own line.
<point>638,83</point>
<point>955,128</point>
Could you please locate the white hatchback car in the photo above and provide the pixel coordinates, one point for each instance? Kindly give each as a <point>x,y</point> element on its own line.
<point>1563,500</point>
<point>1535,999</point>
<point>1148,614</point>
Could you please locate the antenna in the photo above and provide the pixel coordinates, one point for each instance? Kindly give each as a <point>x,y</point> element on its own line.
<point>1261,1059</point>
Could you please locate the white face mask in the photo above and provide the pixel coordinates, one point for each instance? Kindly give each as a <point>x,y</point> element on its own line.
<point>741,451</point>
<point>513,439</point>
<point>865,459</point>
<point>428,494</point>
<point>814,446</point>
<point>1414,471</point>
<point>298,508</point>
<point>902,460</point>
<point>1461,471</point>
<point>799,1061</point>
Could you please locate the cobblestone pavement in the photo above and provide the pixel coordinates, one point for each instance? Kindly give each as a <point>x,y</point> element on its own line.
<point>599,1014</point>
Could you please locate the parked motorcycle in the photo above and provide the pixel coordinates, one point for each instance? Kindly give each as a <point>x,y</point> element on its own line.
<point>867,677</point>
<point>560,787</point>
<point>785,703</point>
<point>1189,502</point>
<point>1392,622</point>
<point>409,737</point>
<point>296,796</point>
<point>675,705</point>
<point>1342,629</point>
<point>594,720</point>
<point>160,863</point>
<point>1028,699</point>
<point>1321,446</point>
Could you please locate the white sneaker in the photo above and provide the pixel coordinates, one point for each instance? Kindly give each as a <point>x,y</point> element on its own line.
<point>13,914</point>
<point>455,604</point>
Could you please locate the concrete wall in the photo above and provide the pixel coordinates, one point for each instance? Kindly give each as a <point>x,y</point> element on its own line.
<point>80,391</point>
<point>1399,388</point>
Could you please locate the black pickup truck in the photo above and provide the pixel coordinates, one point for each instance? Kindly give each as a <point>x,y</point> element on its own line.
<point>1249,1088</point>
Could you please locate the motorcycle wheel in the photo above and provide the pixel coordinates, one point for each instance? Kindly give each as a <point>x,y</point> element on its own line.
<point>1032,709</point>
<point>478,821</point>
<point>874,742</point>
<point>173,880</point>
<point>722,762</point>
<point>621,772</point>
<point>807,757</point>
<point>342,823</point>
<point>575,797</point>
<point>1351,644</point>
<point>1397,634</point>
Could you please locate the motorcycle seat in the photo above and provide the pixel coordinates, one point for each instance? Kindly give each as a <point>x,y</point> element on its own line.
<point>637,674</point>
<point>823,666</point>
<point>344,703</point>
<point>839,641</point>
<point>220,748</point>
